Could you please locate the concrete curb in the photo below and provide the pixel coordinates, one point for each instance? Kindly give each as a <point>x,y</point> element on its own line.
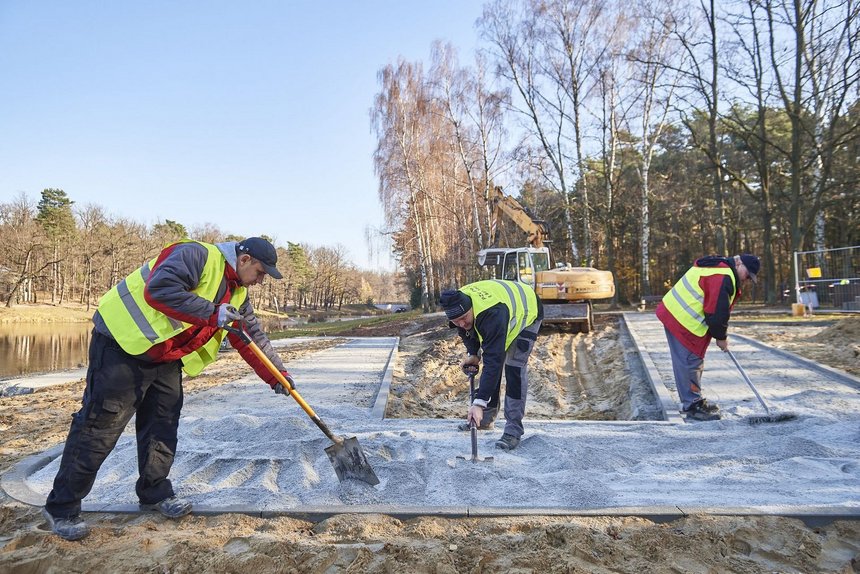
<point>667,401</point>
<point>381,401</point>
<point>847,378</point>
<point>14,481</point>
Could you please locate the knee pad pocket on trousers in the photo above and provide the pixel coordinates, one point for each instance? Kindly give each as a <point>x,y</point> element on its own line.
<point>105,414</point>
<point>160,454</point>
<point>513,382</point>
<point>518,353</point>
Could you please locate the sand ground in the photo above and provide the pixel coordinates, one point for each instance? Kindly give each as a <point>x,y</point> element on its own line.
<point>565,372</point>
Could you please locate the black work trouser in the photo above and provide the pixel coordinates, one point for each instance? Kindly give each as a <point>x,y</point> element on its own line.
<point>119,386</point>
<point>516,382</point>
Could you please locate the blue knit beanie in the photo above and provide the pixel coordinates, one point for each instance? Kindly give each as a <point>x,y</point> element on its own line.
<point>455,303</point>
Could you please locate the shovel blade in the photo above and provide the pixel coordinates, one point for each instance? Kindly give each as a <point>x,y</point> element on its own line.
<point>349,461</point>
<point>474,458</point>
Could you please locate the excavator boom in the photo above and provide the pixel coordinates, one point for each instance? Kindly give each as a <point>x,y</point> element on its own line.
<point>537,232</point>
<point>566,291</point>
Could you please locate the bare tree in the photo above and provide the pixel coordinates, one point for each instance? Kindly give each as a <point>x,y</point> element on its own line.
<point>576,36</point>
<point>394,158</point>
<point>25,242</point>
<point>93,223</point>
<point>656,59</point>
<point>474,112</point>
<point>614,112</point>
<point>514,31</point>
<point>700,85</point>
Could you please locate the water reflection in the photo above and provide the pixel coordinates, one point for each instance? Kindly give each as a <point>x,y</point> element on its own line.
<point>38,348</point>
<point>44,347</point>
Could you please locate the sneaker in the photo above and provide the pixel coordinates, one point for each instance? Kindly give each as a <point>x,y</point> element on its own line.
<point>466,427</point>
<point>172,507</point>
<point>507,442</point>
<point>702,411</point>
<point>73,528</point>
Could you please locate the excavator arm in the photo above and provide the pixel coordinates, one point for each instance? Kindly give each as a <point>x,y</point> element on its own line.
<point>567,291</point>
<point>537,232</point>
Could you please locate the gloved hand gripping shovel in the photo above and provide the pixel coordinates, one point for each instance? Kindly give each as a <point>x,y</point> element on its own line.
<point>473,427</point>
<point>345,454</point>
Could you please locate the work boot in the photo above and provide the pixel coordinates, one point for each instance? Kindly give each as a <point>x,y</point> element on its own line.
<point>702,411</point>
<point>172,507</point>
<point>72,528</point>
<point>704,405</point>
<point>507,442</point>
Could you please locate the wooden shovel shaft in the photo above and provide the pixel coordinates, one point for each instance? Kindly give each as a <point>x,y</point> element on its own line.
<point>286,384</point>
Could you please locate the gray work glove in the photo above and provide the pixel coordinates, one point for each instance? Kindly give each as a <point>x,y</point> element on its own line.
<point>227,314</point>
<point>279,388</point>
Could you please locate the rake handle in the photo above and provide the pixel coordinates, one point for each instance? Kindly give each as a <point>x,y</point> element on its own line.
<point>748,381</point>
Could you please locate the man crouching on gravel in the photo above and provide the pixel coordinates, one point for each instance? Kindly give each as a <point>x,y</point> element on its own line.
<point>166,317</point>
<point>498,322</point>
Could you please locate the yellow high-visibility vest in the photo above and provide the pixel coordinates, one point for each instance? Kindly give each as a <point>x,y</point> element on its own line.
<point>519,298</point>
<point>137,327</point>
<point>686,300</point>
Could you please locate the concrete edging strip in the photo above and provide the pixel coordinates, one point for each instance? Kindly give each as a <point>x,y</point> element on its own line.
<point>378,410</point>
<point>667,402</point>
<point>14,480</point>
<point>847,378</point>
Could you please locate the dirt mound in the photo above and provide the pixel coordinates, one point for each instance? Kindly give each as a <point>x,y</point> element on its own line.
<point>571,376</point>
<point>836,344</point>
<point>840,332</point>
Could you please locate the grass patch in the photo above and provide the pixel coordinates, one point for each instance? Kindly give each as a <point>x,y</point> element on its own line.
<point>336,328</point>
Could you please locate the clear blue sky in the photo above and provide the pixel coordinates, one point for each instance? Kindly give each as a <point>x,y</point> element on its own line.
<point>253,116</point>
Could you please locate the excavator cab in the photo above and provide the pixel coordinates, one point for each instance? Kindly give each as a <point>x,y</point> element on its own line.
<point>521,264</point>
<point>566,291</point>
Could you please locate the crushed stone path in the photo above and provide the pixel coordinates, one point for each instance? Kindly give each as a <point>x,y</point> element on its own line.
<point>242,448</point>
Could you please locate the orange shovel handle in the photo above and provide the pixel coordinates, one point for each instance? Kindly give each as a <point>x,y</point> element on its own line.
<point>283,381</point>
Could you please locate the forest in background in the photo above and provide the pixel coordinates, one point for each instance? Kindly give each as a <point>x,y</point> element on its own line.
<point>646,134</point>
<point>56,252</point>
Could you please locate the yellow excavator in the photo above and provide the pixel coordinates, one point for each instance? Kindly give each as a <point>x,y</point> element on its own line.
<point>567,292</point>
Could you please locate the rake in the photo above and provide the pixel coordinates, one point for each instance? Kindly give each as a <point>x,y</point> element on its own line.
<point>768,417</point>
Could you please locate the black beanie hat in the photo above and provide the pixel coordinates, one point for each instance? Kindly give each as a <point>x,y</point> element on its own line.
<point>455,303</point>
<point>753,264</point>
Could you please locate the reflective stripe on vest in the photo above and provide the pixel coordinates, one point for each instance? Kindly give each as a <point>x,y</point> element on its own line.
<point>519,298</point>
<point>137,327</point>
<point>136,312</point>
<point>686,300</point>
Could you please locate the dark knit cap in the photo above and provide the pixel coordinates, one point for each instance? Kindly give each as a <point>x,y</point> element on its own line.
<point>752,263</point>
<point>455,303</point>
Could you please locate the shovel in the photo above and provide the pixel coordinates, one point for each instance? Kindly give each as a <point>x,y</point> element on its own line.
<point>345,454</point>
<point>473,428</point>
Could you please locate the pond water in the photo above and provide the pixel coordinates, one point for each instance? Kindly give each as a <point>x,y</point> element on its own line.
<point>27,348</point>
<point>42,347</point>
